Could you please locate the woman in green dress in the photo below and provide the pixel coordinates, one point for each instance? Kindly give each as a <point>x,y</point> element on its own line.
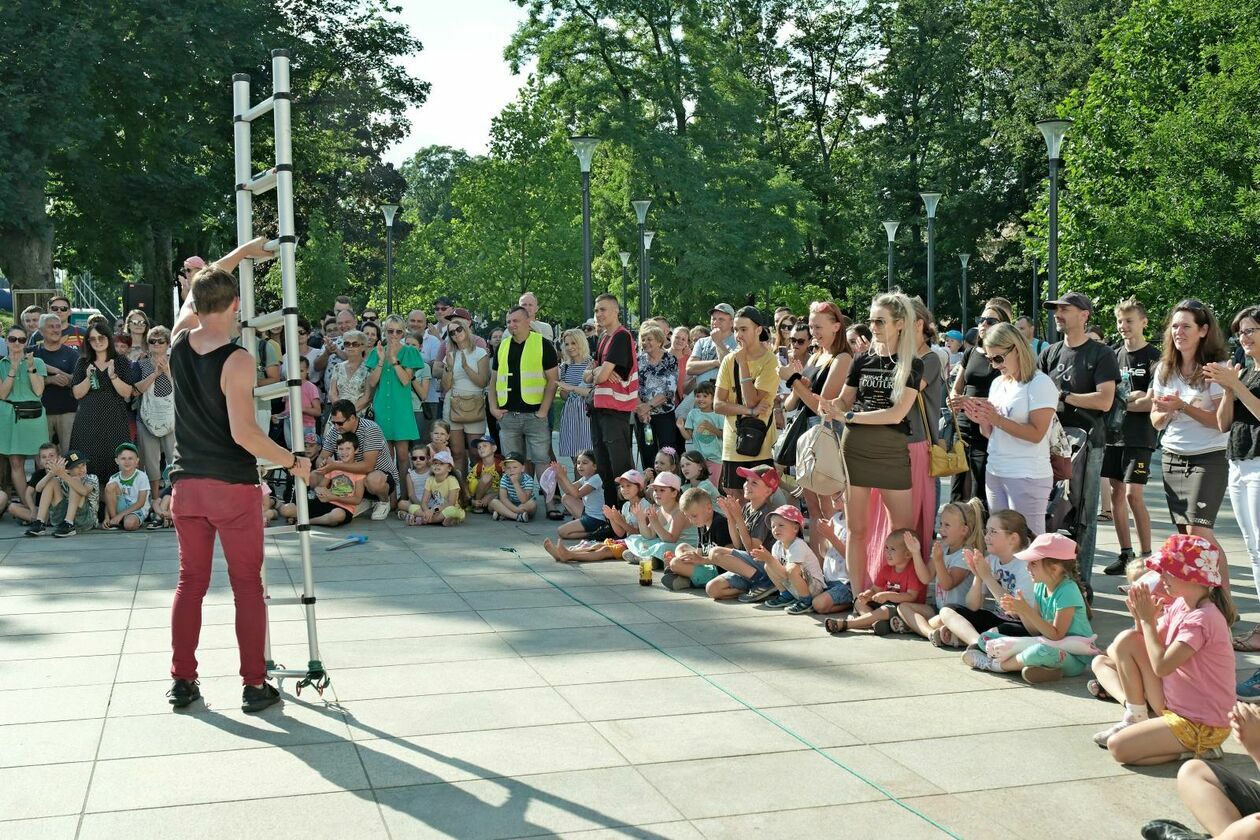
<point>22,382</point>
<point>391,385</point>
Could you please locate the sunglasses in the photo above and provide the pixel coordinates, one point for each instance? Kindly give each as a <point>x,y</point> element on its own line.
<point>16,339</point>
<point>394,332</point>
<point>1249,332</point>
<point>997,359</point>
<point>988,322</point>
<point>138,322</point>
<point>157,340</point>
<point>799,342</point>
<point>456,330</point>
<point>303,332</point>
<point>337,422</point>
<point>58,309</point>
<point>419,458</point>
<point>877,322</point>
<point>352,344</point>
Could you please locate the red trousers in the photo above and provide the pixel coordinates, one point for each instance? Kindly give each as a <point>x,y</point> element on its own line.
<point>202,508</point>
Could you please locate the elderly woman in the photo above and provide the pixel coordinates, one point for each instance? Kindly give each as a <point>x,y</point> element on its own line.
<point>156,426</point>
<point>348,380</point>
<point>102,385</point>
<point>393,364</point>
<point>22,424</point>
<point>658,385</point>
<point>465,374</point>
<point>575,425</point>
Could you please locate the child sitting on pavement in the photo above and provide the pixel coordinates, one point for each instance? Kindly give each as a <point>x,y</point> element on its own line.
<point>791,564</point>
<point>26,508</point>
<point>689,566</point>
<point>829,537</point>
<point>483,478</point>
<point>518,492</point>
<point>127,492</point>
<point>583,499</point>
<point>896,582</point>
<point>417,473</point>
<point>333,503</point>
<point>661,527</point>
<point>623,522</point>
<point>961,529</point>
<point>744,576</point>
<point>441,495</point>
<point>69,494</point>
<point>998,573</point>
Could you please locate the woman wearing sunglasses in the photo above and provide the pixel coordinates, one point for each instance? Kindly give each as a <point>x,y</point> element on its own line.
<point>137,327</point>
<point>348,380</point>
<point>156,427</point>
<point>102,385</point>
<point>393,364</point>
<point>975,377</point>
<point>1016,419</point>
<point>21,382</point>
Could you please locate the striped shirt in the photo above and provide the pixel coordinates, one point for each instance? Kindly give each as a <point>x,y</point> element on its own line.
<point>370,440</point>
<point>528,485</point>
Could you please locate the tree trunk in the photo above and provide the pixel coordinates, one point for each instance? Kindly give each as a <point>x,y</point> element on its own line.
<point>26,243</point>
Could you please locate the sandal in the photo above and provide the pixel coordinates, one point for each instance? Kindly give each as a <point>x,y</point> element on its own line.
<point>836,626</point>
<point>1094,687</point>
<point>555,515</point>
<point>941,637</point>
<point>1248,642</point>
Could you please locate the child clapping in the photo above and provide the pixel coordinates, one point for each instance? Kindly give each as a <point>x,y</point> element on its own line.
<point>791,564</point>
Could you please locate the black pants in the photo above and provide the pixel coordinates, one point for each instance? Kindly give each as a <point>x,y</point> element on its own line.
<point>971,483</point>
<point>610,438</point>
<point>664,433</point>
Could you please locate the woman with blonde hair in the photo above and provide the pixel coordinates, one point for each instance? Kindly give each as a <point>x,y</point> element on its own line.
<point>875,404</point>
<point>393,364</point>
<point>575,424</point>
<point>1016,418</point>
<point>465,374</point>
<point>658,387</point>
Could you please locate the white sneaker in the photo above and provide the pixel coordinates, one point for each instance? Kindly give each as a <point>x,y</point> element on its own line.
<point>977,659</point>
<point>1101,738</point>
<point>380,511</point>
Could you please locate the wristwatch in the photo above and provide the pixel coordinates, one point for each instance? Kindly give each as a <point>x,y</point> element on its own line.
<point>848,416</point>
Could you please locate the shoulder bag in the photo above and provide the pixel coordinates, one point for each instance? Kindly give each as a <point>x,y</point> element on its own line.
<point>951,461</point>
<point>750,431</point>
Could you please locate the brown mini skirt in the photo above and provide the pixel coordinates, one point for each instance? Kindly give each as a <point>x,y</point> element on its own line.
<point>876,456</point>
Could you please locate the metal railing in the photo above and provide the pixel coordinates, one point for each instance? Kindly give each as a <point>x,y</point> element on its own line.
<point>84,293</point>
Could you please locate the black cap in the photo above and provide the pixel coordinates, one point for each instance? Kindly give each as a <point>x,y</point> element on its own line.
<point>74,457</point>
<point>514,456</point>
<point>1076,299</point>
<point>753,314</point>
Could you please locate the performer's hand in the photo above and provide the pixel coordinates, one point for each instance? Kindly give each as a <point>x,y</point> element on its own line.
<point>302,468</point>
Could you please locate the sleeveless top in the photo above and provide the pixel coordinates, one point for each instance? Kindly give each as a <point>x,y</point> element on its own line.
<point>204,447</point>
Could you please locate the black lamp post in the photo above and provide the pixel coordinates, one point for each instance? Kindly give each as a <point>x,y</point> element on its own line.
<point>964,259</point>
<point>640,211</point>
<point>891,227</point>
<point>930,200</point>
<point>1053,131</point>
<point>389,210</point>
<point>584,148</point>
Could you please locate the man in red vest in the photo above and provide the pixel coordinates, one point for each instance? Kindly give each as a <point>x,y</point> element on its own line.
<point>614,372</point>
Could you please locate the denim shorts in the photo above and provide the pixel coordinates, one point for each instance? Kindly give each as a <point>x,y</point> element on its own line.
<point>743,584</point>
<point>593,527</point>
<point>840,591</point>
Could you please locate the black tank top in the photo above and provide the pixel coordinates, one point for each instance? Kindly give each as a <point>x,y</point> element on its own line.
<point>204,447</point>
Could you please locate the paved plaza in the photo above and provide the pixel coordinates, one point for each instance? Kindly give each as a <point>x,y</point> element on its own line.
<point>479,693</point>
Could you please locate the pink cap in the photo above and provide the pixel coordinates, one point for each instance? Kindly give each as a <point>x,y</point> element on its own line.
<point>791,513</point>
<point>632,476</point>
<point>668,479</point>
<point>1049,547</point>
<point>194,263</point>
<point>444,458</point>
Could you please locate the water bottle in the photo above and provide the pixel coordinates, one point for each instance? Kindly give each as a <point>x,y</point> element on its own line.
<point>647,434</point>
<point>645,572</point>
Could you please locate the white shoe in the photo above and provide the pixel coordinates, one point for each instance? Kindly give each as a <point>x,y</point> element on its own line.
<point>1101,738</point>
<point>380,511</point>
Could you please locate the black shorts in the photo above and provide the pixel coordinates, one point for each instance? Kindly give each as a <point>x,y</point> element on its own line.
<point>318,507</point>
<point>1242,792</point>
<point>1130,464</point>
<point>732,480</point>
<point>391,484</point>
<point>985,620</point>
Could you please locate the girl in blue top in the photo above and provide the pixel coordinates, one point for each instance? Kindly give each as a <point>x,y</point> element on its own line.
<point>584,499</point>
<point>1058,610</point>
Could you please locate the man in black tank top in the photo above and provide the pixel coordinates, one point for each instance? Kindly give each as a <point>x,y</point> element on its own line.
<point>215,478</point>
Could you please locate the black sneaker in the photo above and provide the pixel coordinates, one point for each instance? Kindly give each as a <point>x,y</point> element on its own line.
<point>65,529</point>
<point>1117,566</point>
<point>37,529</point>
<point>183,693</point>
<point>254,700</point>
<point>1170,830</point>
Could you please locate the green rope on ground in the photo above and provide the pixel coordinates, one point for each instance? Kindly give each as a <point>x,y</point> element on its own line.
<point>741,701</point>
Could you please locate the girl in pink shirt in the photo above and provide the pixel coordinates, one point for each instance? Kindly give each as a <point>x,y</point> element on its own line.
<point>1179,663</point>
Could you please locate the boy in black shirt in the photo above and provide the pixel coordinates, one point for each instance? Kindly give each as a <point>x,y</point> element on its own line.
<point>690,565</point>
<point>1127,459</point>
<point>25,509</point>
<point>1086,373</point>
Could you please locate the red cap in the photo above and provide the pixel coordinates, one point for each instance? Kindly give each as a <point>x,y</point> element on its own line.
<point>767,475</point>
<point>791,513</point>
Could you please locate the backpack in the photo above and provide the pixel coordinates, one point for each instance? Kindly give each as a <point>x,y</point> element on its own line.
<point>819,462</point>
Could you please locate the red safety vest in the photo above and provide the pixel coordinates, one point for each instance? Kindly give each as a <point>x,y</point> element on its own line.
<point>614,392</point>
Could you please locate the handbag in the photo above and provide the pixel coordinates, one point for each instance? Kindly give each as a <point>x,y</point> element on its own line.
<point>27,409</point>
<point>750,432</point>
<point>944,461</point>
<point>468,408</point>
<point>1060,450</point>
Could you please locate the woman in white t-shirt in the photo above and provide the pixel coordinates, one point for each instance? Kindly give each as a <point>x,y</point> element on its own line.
<point>1016,417</point>
<point>1184,402</point>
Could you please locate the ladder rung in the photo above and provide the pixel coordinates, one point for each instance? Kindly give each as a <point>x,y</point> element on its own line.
<point>265,321</point>
<point>284,602</point>
<point>260,109</point>
<point>274,391</point>
<point>262,182</point>
<point>285,672</point>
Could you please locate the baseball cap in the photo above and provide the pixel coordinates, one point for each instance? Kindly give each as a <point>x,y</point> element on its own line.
<point>1049,547</point>
<point>590,322</point>
<point>767,475</point>
<point>74,457</point>
<point>462,313</point>
<point>1189,558</point>
<point>514,456</point>
<point>791,513</point>
<point>485,439</point>
<point>310,439</point>
<point>667,479</point>
<point>723,307</point>
<point>443,458</point>
<point>955,335</point>
<point>632,476</point>
<point>125,446</point>
<point>1076,299</point>
<point>753,314</point>
<point>193,263</point>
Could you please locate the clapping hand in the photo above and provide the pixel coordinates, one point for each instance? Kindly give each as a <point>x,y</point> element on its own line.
<point>786,371</point>
<point>1015,604</point>
<point>976,563</point>
<point>1170,403</point>
<point>1225,374</point>
<point>938,551</point>
<point>1141,605</point>
<point>913,545</point>
<point>1244,722</point>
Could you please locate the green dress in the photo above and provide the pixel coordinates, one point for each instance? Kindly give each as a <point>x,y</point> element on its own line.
<point>21,437</point>
<point>391,404</point>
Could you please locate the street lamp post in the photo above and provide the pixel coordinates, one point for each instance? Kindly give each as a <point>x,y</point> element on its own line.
<point>964,259</point>
<point>891,227</point>
<point>640,211</point>
<point>930,200</point>
<point>1036,304</point>
<point>1053,131</point>
<point>625,271</point>
<point>584,148</point>
<point>389,210</point>
<point>648,235</point>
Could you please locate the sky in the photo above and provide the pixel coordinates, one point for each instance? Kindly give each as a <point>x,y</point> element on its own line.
<point>463,61</point>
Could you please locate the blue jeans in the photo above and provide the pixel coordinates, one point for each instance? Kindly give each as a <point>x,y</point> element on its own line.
<point>1091,497</point>
<point>527,434</point>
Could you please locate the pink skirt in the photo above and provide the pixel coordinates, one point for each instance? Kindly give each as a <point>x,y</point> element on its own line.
<point>923,497</point>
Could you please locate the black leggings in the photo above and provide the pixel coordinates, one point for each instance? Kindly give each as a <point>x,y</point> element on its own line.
<point>984,620</point>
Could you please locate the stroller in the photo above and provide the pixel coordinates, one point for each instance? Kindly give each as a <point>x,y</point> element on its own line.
<point>1064,513</point>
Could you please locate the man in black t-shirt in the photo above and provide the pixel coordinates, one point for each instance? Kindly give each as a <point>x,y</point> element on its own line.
<point>1126,462</point>
<point>614,375</point>
<point>1085,372</point>
<point>58,397</point>
<point>522,387</point>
